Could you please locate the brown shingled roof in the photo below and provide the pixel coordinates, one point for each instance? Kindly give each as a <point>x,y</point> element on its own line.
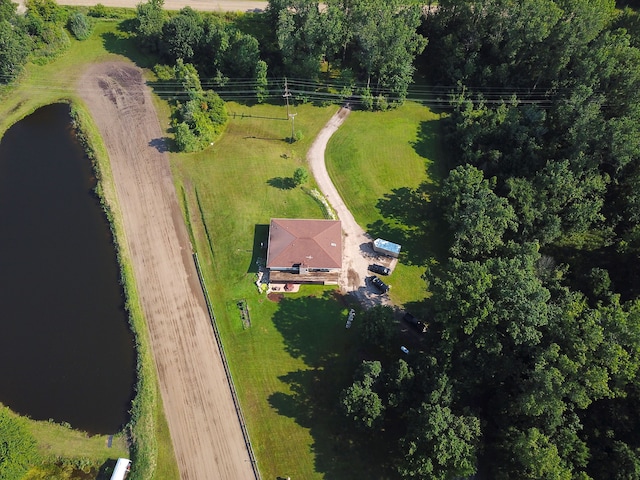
<point>312,243</point>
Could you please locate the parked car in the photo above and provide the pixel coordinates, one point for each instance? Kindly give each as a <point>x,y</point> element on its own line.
<point>414,322</point>
<point>379,284</point>
<point>381,269</point>
<point>405,350</point>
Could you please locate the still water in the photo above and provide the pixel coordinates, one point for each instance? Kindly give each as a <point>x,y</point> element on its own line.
<point>66,351</point>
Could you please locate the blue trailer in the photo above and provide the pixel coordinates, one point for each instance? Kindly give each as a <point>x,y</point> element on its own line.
<point>386,247</point>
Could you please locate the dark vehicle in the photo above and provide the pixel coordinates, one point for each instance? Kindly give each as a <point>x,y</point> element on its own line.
<point>381,269</point>
<point>379,284</point>
<point>414,322</point>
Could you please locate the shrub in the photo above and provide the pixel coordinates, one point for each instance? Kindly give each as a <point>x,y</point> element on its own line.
<point>98,11</point>
<point>382,103</point>
<point>185,139</point>
<point>18,449</point>
<point>80,26</point>
<point>367,99</point>
<point>300,176</point>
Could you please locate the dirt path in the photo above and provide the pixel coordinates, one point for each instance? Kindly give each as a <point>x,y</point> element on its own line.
<point>357,251</point>
<point>204,426</point>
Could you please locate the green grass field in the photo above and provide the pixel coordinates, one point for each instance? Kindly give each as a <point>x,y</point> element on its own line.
<point>377,160</point>
<point>291,364</point>
<point>58,441</point>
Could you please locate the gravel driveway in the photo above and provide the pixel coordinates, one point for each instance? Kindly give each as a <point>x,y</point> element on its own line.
<point>357,252</point>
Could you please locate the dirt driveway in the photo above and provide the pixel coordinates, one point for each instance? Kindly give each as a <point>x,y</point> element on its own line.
<point>202,419</point>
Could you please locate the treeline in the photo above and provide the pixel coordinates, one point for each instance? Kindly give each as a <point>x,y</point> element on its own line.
<point>373,44</point>
<point>531,362</point>
<point>39,35</point>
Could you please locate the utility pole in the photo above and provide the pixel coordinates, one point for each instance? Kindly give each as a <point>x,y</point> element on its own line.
<point>286,95</point>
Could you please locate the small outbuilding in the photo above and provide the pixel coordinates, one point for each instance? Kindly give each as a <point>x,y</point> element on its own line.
<point>385,247</point>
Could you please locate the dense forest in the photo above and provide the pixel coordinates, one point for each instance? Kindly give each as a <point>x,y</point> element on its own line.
<point>530,365</point>
<point>531,360</point>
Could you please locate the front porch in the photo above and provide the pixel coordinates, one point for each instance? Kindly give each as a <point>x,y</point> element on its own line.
<point>323,278</point>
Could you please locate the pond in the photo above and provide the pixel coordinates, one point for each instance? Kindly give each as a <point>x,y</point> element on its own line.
<point>66,350</point>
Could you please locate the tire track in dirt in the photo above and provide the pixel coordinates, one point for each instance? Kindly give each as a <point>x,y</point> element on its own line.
<point>203,423</point>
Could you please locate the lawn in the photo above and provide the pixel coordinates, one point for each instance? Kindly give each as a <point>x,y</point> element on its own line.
<point>230,192</point>
<point>290,365</point>
<point>60,441</point>
<point>384,164</point>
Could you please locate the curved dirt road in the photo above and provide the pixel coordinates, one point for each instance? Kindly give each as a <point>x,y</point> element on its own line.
<point>203,423</point>
<point>357,252</point>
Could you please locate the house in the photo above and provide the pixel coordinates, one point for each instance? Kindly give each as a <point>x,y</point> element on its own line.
<point>304,251</point>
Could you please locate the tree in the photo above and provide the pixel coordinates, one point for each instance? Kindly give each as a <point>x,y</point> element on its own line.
<point>477,217</point>
<point>386,42</point>
<point>300,176</point>
<point>262,91</point>
<point>13,51</point>
<point>242,56</point>
<point>360,402</point>
<point>398,384</point>
<point>182,34</point>
<point>558,201</point>
<point>439,444</point>
<point>532,456</point>
<point>378,326</point>
<point>299,30</point>
<point>8,10</point>
<point>213,45</point>
<point>484,310</point>
<point>150,18</point>
<point>202,118</point>
<point>80,26</point>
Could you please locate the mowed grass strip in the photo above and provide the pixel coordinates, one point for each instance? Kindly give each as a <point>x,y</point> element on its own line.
<point>291,363</point>
<point>375,161</point>
<point>60,441</point>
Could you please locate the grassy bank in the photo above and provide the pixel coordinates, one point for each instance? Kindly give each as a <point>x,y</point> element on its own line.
<point>152,450</point>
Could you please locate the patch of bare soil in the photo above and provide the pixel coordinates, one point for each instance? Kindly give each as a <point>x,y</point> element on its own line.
<point>203,421</point>
<point>275,297</point>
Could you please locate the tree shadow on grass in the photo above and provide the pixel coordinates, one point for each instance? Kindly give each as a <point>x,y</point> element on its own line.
<point>413,221</point>
<point>429,146</point>
<point>123,43</point>
<point>282,183</point>
<point>314,331</point>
